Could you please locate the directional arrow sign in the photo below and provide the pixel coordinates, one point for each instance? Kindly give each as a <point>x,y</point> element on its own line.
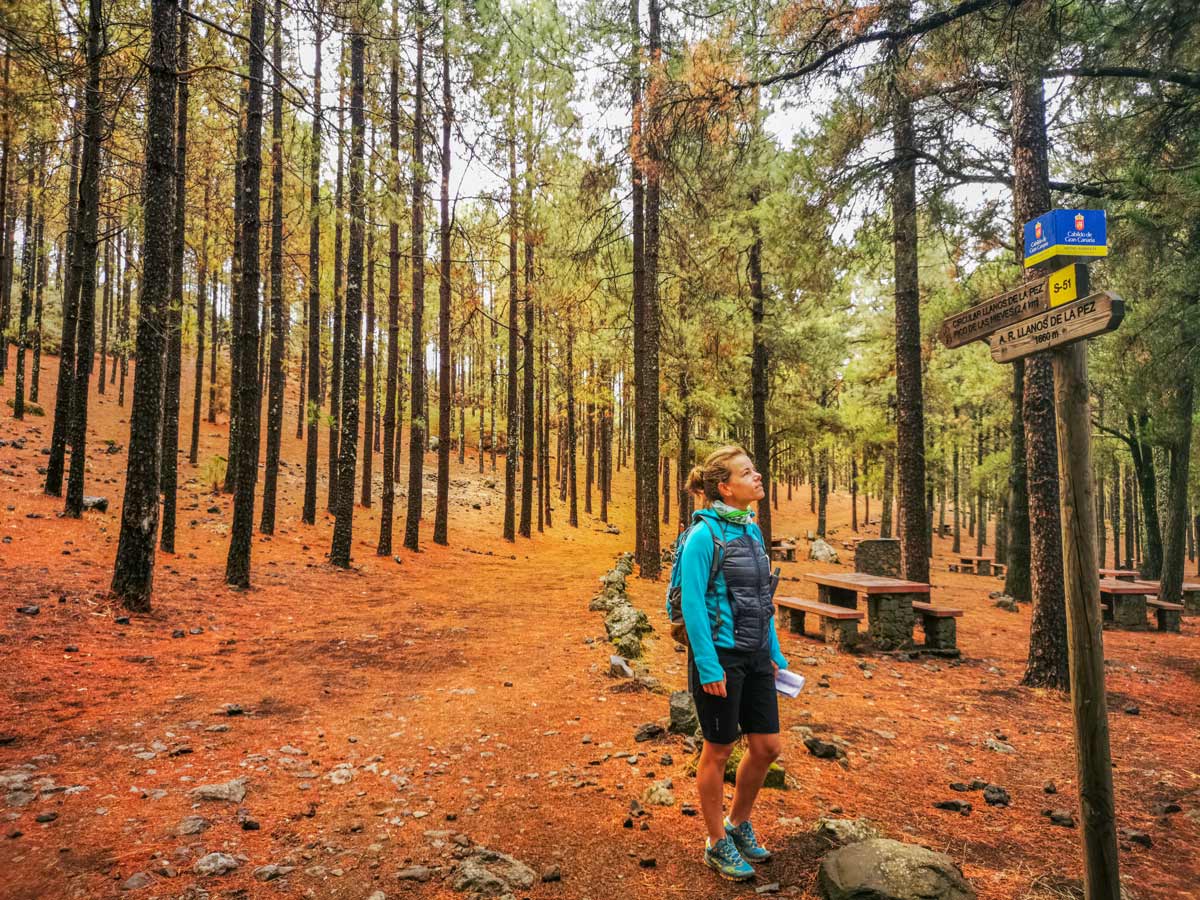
<point>1093,315</point>
<point>1012,306</point>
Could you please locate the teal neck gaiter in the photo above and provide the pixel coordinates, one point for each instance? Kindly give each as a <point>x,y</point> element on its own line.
<point>730,514</point>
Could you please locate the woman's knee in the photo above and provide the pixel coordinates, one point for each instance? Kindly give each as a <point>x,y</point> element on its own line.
<point>765,747</point>
<point>717,753</point>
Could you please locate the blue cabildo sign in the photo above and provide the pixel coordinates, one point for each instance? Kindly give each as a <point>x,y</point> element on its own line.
<point>1066,232</point>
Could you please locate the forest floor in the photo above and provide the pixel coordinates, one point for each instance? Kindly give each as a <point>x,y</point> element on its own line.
<point>389,709</point>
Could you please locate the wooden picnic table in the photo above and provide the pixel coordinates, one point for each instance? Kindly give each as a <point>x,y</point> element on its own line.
<point>1120,574</point>
<point>1125,602</point>
<point>980,565</point>
<point>890,613</point>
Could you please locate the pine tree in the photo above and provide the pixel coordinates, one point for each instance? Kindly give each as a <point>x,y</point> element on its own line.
<point>339,554</point>
<point>245,343</point>
<point>170,433</point>
<point>312,412</point>
<point>442,507</point>
<point>133,571</point>
<point>84,260</point>
<point>278,311</point>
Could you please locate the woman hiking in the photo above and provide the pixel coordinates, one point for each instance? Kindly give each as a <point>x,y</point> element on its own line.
<point>726,590</point>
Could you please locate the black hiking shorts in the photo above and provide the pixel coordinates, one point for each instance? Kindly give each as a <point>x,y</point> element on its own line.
<point>750,704</point>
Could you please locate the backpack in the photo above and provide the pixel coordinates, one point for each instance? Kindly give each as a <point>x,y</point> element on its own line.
<point>675,587</point>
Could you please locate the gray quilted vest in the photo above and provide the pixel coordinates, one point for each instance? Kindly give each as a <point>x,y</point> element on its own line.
<point>749,585</point>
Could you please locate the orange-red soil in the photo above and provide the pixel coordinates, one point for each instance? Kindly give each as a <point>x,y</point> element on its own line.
<point>459,683</point>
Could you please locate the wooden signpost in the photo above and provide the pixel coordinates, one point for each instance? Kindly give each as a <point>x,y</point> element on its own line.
<point>1062,325</point>
<point>1044,314</point>
<point>1011,307</point>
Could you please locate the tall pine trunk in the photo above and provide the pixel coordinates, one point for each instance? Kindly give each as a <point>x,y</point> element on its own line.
<point>84,262</point>
<point>201,307</point>
<point>235,296</point>
<point>133,571</point>
<point>245,344</point>
<point>759,379</point>
<point>1047,664</point>
<point>26,302</point>
<point>174,366</point>
<point>649,553</point>
<point>442,510</point>
<point>388,496</point>
<point>910,407</point>
<point>527,413</point>
<point>335,359</point>
<point>418,424</point>
<point>278,325</point>
<point>1017,578</point>
<point>510,456</point>
<point>311,413</point>
<point>339,553</point>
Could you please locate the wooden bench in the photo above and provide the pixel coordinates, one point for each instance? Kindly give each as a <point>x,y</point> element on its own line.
<point>785,550</point>
<point>839,625</point>
<point>978,565</point>
<point>889,603</point>
<point>1169,615</point>
<point>999,569</point>
<point>941,632</point>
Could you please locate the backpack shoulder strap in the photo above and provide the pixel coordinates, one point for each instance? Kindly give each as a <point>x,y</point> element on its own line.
<point>718,554</point>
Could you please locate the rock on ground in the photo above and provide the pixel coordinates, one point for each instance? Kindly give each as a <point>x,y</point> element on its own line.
<point>883,869</point>
<point>846,831</point>
<point>215,864</point>
<point>230,791</point>
<point>820,551</point>
<point>490,873</point>
<point>683,713</point>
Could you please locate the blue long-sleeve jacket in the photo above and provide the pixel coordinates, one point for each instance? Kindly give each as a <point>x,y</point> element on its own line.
<point>701,607</point>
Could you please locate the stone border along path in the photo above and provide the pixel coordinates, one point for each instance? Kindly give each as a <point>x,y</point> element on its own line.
<point>861,860</point>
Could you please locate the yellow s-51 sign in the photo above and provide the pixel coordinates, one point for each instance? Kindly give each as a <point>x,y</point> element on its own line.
<point>1063,285</point>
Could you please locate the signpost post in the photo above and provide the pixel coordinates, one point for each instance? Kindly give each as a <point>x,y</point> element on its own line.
<point>1045,314</point>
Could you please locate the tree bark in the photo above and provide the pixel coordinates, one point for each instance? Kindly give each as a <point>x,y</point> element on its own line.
<point>311,413</point>
<point>235,295</point>
<point>368,359</point>
<point>174,363</point>
<point>133,571</point>
<point>418,423</point>
<point>390,455</point>
<point>201,307</point>
<point>275,387</point>
<point>339,553</point>
<point>910,408</point>
<point>1047,664</point>
<point>510,456</point>
<point>759,386</point>
<point>26,302</point>
<point>442,511</point>
<point>649,552</point>
<point>84,260</point>
<point>237,563</point>
<point>1017,578</point>
<point>335,359</point>
<point>573,508</point>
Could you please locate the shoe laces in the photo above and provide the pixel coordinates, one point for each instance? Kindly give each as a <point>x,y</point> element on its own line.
<point>746,832</point>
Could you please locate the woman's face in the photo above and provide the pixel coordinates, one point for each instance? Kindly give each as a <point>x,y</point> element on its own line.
<point>744,485</point>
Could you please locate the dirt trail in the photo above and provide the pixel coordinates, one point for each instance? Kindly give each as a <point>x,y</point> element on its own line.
<point>452,692</point>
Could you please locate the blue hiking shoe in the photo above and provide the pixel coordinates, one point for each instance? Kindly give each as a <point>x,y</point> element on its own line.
<point>726,861</point>
<point>744,839</point>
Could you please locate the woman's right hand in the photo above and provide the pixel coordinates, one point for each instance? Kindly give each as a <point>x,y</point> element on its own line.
<point>716,688</point>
